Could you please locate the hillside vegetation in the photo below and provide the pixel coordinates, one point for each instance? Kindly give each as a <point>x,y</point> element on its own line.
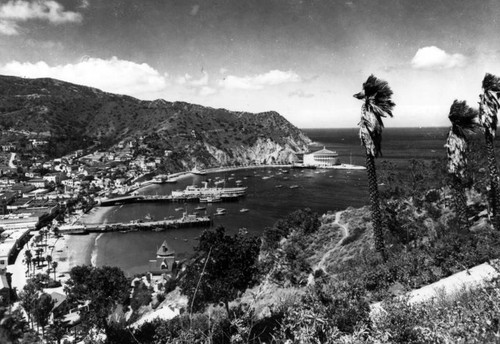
<point>75,117</point>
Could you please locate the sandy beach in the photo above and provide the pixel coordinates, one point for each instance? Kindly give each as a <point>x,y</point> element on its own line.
<point>94,216</point>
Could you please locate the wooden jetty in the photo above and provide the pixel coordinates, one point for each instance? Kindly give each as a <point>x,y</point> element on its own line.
<point>185,221</point>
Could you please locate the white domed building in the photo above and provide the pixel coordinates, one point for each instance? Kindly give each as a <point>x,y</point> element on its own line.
<point>322,158</point>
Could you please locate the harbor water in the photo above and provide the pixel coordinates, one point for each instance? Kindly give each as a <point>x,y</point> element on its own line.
<point>272,194</point>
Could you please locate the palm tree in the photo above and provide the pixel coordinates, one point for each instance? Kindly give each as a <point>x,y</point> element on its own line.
<point>54,267</point>
<point>488,108</point>
<point>28,259</point>
<point>463,121</point>
<point>376,96</point>
<point>48,259</point>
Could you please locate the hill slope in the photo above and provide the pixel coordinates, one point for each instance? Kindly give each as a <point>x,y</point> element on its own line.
<point>74,117</point>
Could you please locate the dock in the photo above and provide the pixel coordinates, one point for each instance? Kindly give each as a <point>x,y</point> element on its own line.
<point>184,221</point>
<point>190,194</point>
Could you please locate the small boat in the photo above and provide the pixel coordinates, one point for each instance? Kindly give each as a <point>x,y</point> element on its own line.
<point>200,208</point>
<point>244,210</point>
<point>148,217</point>
<point>266,177</point>
<point>279,186</point>
<point>210,199</point>
<point>198,172</point>
<point>220,213</point>
<point>179,209</point>
<point>294,186</point>
<point>220,210</point>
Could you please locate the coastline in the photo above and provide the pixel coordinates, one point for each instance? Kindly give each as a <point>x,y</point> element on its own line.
<point>95,216</point>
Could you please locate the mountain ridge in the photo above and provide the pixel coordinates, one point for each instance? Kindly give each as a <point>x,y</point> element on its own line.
<point>75,117</point>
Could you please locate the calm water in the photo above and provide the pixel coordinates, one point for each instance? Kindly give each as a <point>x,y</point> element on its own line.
<point>320,190</point>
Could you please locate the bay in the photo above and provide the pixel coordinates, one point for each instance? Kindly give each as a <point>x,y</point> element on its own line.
<point>269,196</point>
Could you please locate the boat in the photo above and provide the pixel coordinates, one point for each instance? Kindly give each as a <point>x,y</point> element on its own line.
<point>179,209</point>
<point>220,209</point>
<point>148,217</point>
<point>279,186</point>
<point>200,208</point>
<point>210,199</point>
<point>220,213</point>
<point>294,186</point>
<point>198,172</point>
<point>205,191</point>
<point>244,210</point>
<point>304,166</point>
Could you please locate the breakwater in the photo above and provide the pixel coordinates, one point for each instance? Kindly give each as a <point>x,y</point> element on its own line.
<point>156,226</point>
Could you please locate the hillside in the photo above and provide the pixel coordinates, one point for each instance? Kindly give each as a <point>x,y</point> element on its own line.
<point>75,117</point>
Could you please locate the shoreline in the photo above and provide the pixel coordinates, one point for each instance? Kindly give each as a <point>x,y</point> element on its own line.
<point>95,216</point>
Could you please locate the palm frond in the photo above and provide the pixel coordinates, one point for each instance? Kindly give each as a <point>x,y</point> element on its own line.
<point>463,118</point>
<point>489,103</point>
<point>376,95</point>
<point>457,159</point>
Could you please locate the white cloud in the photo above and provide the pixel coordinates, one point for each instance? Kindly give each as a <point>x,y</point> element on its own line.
<point>188,80</point>
<point>112,75</point>
<point>15,11</point>
<point>8,28</point>
<point>256,82</point>
<point>207,91</point>
<point>434,58</point>
<point>84,3</point>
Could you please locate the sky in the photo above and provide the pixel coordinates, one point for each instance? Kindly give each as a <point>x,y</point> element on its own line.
<point>302,58</point>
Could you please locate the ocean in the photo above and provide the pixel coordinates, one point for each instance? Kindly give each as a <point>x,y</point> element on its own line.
<point>269,196</point>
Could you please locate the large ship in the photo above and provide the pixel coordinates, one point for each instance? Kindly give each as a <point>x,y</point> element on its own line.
<point>193,191</point>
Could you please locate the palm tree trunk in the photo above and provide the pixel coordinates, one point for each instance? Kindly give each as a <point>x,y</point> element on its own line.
<point>495,190</point>
<point>461,204</point>
<point>378,234</point>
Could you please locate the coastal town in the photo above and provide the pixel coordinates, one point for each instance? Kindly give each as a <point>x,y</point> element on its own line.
<point>43,199</point>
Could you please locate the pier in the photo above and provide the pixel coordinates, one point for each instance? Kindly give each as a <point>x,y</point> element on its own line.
<point>190,194</point>
<point>185,221</point>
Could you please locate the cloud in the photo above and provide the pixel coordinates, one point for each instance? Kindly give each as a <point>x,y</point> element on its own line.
<point>434,58</point>
<point>257,82</point>
<point>111,75</point>
<point>207,91</point>
<point>300,94</point>
<point>8,28</point>
<point>188,80</point>
<point>84,3</point>
<point>15,11</point>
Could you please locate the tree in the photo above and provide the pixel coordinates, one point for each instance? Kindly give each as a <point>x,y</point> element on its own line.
<point>463,121</point>
<point>222,267</point>
<point>28,298</point>
<point>12,326</point>
<point>43,308</point>
<point>104,287</point>
<point>56,331</point>
<point>376,96</point>
<point>28,258</point>
<point>48,259</point>
<point>488,108</point>
<point>54,267</point>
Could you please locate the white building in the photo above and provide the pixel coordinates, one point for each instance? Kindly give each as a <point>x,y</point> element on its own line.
<point>322,158</point>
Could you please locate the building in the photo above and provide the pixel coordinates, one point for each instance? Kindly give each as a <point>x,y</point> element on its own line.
<point>165,260</point>
<point>11,242</point>
<point>322,158</point>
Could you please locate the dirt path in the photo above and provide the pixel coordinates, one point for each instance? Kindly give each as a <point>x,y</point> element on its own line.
<point>11,161</point>
<point>345,233</point>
